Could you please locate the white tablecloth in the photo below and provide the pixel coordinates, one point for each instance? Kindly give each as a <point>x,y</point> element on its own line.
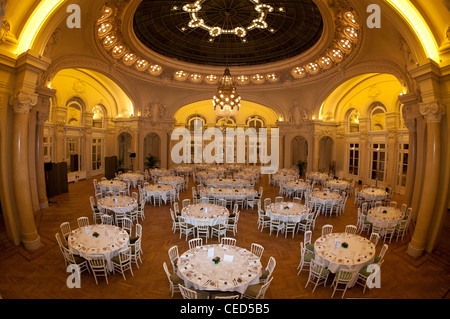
<point>281,178</point>
<point>318,177</point>
<point>112,185</point>
<point>210,213</point>
<point>373,194</point>
<point>338,184</point>
<point>117,204</point>
<point>227,182</point>
<point>384,216</point>
<point>329,251</point>
<point>110,240</point>
<point>228,193</point>
<point>198,270</point>
<point>133,178</point>
<point>159,189</point>
<point>294,186</point>
<point>323,197</point>
<point>288,211</point>
<point>171,180</point>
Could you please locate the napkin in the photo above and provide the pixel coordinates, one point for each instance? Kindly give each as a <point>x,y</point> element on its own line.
<point>87,229</point>
<point>228,258</point>
<point>211,252</point>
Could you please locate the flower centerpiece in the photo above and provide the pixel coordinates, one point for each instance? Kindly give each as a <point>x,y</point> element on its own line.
<point>384,211</point>
<point>95,234</point>
<point>216,260</point>
<point>286,207</point>
<point>344,244</point>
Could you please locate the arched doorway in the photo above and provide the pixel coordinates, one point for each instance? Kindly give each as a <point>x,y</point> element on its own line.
<point>326,163</point>
<point>124,160</point>
<point>152,147</point>
<point>299,150</point>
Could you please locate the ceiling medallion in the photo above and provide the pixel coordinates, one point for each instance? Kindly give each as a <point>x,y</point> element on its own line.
<point>214,31</point>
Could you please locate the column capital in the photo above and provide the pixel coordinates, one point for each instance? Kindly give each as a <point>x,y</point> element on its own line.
<point>432,111</point>
<point>22,102</point>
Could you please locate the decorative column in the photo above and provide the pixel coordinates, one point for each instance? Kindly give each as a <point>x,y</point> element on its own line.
<point>410,108</point>
<point>22,103</point>
<point>42,117</point>
<point>432,113</point>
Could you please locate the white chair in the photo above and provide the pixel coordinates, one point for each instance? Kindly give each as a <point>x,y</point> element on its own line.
<point>305,258</point>
<point>228,241</point>
<point>192,294</point>
<point>173,256</point>
<point>279,199</point>
<point>122,262</point>
<point>257,249</point>
<point>343,277</point>
<point>297,200</point>
<point>72,259</point>
<point>98,265</point>
<point>393,204</point>
<point>233,223</point>
<point>327,229</point>
<point>96,213</point>
<point>185,228</point>
<point>136,251</point>
<point>290,226</point>
<point>127,224</point>
<point>83,221</point>
<point>175,221</point>
<point>307,241</point>
<point>195,242</point>
<point>220,229</point>
<point>362,224</point>
<point>275,223</point>
<point>107,219</point>
<point>267,202</point>
<point>401,228</point>
<point>174,280</point>
<point>267,272</point>
<point>350,229</point>
<point>61,245</point>
<point>202,229</point>
<point>306,223</point>
<point>364,274</point>
<point>318,274</point>
<point>374,238</point>
<point>380,257</point>
<point>65,230</point>
<point>263,220</point>
<point>256,291</point>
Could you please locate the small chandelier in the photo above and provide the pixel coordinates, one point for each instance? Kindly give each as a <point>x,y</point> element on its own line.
<point>226,101</point>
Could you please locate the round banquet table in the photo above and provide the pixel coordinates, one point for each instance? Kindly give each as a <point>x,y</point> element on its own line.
<point>198,271</point>
<point>385,216</point>
<point>279,178</point>
<point>324,197</point>
<point>112,186</point>
<point>373,194</point>
<point>203,176</point>
<point>171,180</point>
<point>158,172</point>
<point>164,191</point>
<point>185,170</point>
<point>111,239</point>
<point>295,186</point>
<point>195,214</point>
<point>338,184</point>
<point>288,211</point>
<point>117,204</point>
<point>318,177</point>
<point>227,182</point>
<point>329,251</point>
<point>133,178</point>
<point>228,193</point>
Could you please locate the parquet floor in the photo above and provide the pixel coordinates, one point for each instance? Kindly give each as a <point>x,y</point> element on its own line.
<point>41,274</point>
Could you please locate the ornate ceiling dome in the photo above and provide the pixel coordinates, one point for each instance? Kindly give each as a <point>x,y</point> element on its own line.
<point>228,32</point>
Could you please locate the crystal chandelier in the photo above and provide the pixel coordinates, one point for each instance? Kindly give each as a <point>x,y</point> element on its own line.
<point>226,101</point>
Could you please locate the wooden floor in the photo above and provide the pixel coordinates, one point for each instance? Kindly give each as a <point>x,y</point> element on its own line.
<point>41,274</point>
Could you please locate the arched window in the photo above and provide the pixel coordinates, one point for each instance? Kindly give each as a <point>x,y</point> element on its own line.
<point>190,122</point>
<point>222,123</point>
<point>98,116</point>
<point>256,122</point>
<point>75,107</point>
<point>378,118</point>
<point>353,122</point>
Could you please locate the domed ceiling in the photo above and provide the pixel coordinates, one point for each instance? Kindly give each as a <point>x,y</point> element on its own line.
<point>228,32</point>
